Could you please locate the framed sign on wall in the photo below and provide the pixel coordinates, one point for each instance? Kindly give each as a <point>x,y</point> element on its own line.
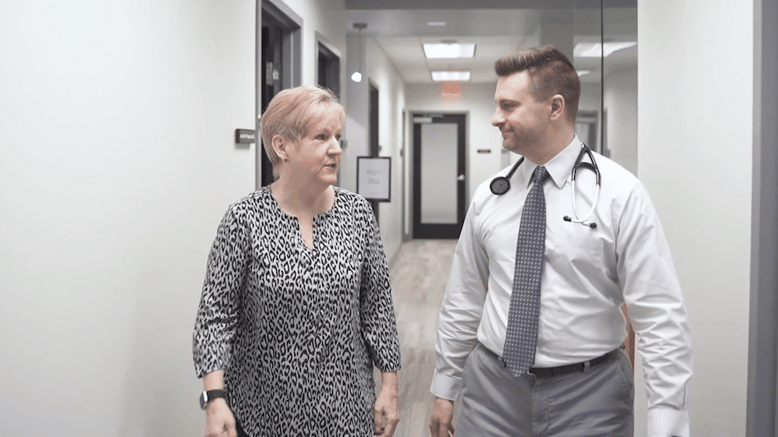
<point>374,178</point>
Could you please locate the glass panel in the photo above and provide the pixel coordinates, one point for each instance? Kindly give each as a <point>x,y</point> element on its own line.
<point>586,40</point>
<point>607,111</point>
<point>620,117</point>
<point>439,173</point>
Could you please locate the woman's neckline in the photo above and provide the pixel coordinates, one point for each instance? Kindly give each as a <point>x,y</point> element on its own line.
<point>336,196</point>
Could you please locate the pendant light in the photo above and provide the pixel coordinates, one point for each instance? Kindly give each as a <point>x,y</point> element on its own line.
<point>357,76</point>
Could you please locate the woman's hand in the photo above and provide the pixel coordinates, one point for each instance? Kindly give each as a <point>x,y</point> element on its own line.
<point>219,419</point>
<point>387,406</point>
<point>218,415</point>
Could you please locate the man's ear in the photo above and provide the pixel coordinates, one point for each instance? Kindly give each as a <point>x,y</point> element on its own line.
<point>557,107</point>
<point>280,146</point>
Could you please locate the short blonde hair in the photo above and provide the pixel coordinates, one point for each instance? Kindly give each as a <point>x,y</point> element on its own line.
<point>291,113</point>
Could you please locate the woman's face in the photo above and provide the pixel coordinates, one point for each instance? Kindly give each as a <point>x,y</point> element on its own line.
<point>316,159</point>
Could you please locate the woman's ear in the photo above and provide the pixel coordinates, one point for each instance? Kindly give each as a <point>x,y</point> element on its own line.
<point>280,147</point>
<point>557,107</point>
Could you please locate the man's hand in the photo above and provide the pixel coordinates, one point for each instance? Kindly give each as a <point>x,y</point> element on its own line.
<point>219,419</point>
<point>387,406</point>
<point>441,422</point>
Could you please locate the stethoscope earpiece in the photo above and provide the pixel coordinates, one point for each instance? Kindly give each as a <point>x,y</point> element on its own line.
<point>592,225</point>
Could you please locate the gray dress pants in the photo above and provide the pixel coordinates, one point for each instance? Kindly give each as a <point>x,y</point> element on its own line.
<point>597,402</point>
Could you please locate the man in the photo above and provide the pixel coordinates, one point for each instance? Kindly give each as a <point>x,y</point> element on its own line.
<point>530,328</point>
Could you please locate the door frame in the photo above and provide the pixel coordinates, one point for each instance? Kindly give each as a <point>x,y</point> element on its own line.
<point>374,146</point>
<point>291,74</point>
<point>328,59</point>
<point>433,230</point>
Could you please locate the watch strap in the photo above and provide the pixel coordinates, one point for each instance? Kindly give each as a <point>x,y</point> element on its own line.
<point>209,395</point>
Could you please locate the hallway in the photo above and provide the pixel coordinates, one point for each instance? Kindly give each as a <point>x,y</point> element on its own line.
<point>120,156</point>
<point>419,274</point>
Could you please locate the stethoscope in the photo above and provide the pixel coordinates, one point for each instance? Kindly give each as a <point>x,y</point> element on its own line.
<point>501,184</point>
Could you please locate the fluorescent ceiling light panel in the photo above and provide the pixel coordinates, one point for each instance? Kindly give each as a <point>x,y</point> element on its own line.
<point>450,76</point>
<point>447,51</point>
<point>583,72</point>
<point>592,49</point>
<point>436,23</point>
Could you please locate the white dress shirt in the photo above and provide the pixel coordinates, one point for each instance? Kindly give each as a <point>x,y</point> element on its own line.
<point>588,274</point>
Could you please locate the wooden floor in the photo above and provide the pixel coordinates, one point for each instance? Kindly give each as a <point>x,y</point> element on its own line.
<point>419,274</point>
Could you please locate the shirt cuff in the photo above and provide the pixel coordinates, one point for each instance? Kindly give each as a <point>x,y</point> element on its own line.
<point>446,387</point>
<point>667,422</point>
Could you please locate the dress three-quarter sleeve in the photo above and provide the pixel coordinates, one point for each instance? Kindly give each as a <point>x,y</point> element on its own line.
<point>379,326</point>
<point>217,314</point>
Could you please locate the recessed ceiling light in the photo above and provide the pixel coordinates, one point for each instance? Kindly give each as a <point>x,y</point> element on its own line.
<point>436,23</point>
<point>592,49</point>
<point>450,76</point>
<point>452,50</point>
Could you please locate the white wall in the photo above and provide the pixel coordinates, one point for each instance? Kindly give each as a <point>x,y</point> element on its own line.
<point>378,70</point>
<point>118,161</point>
<point>478,103</point>
<point>694,156</point>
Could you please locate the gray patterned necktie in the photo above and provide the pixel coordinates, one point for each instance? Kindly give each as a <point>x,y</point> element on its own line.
<point>522,333</point>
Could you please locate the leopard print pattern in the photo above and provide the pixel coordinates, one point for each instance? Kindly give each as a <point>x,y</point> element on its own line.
<point>297,331</point>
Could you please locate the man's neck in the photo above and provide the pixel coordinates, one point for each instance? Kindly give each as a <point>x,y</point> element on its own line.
<point>556,143</point>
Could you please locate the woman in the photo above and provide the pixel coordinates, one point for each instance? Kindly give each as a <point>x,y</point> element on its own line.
<point>296,306</point>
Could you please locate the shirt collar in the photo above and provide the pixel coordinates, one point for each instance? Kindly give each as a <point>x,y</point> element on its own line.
<point>559,168</point>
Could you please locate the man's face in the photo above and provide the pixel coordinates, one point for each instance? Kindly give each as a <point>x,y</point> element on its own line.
<point>522,120</point>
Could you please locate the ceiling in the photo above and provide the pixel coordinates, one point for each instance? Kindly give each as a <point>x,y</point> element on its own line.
<point>496,29</point>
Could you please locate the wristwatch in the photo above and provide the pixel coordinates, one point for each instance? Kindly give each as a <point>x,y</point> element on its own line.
<point>208,395</point>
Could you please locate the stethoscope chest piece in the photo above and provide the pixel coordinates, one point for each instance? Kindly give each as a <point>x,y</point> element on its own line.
<point>500,185</point>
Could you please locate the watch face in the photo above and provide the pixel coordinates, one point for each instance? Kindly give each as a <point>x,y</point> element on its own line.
<point>211,394</point>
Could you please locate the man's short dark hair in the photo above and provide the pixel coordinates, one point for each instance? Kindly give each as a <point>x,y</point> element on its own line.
<point>550,72</point>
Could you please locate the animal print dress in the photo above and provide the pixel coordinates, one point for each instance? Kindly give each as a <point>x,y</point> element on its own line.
<point>297,330</point>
